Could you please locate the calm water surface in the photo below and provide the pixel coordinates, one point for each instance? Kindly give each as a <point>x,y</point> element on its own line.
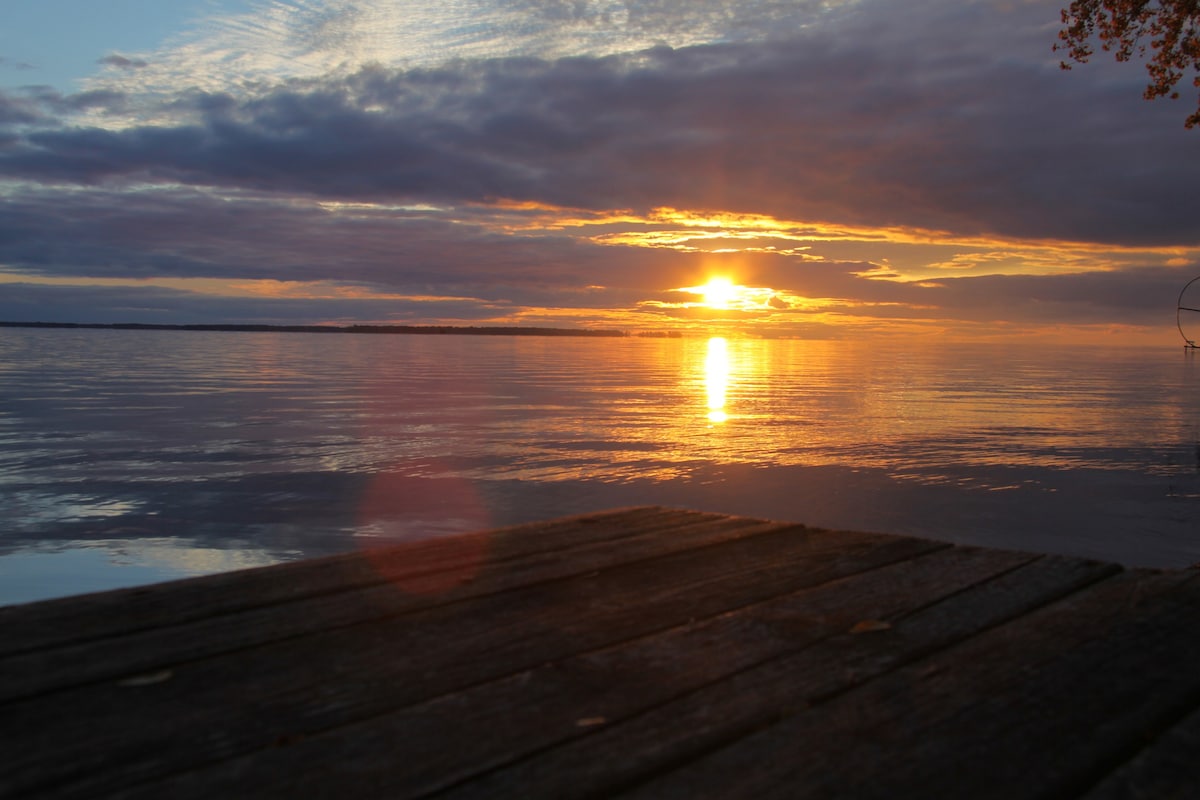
<point>135,456</point>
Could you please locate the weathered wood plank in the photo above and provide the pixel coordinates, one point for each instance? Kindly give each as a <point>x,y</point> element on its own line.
<point>1167,769</point>
<point>79,619</point>
<point>53,668</point>
<point>536,709</point>
<point>673,734</point>
<point>72,741</point>
<point>1035,706</point>
<point>645,652</point>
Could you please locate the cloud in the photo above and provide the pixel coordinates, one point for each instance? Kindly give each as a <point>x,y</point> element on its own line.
<point>17,111</point>
<point>123,62</point>
<point>8,63</point>
<point>161,306</point>
<point>182,233</point>
<point>345,144</point>
<point>307,39</point>
<point>35,108</point>
<point>962,136</point>
<point>319,264</point>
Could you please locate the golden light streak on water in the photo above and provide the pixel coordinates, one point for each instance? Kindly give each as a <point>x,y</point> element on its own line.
<point>716,378</point>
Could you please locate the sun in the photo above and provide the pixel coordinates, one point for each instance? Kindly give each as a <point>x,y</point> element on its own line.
<point>718,293</point>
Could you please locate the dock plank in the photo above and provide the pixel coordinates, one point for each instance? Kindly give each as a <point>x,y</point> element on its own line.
<point>533,710</point>
<point>1165,769</point>
<point>677,733</point>
<point>399,660</point>
<point>50,667</point>
<point>78,619</point>
<point>970,721</point>
<point>643,652</point>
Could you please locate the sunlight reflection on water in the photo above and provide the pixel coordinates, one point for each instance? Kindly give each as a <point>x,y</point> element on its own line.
<point>275,441</point>
<point>716,378</point>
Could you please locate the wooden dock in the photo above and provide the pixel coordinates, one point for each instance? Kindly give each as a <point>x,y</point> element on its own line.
<point>638,653</point>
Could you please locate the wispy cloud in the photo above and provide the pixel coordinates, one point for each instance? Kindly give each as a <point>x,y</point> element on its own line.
<point>8,63</point>
<point>286,39</point>
<point>123,62</point>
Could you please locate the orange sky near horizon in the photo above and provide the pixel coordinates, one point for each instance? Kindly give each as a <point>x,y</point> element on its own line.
<point>710,246</point>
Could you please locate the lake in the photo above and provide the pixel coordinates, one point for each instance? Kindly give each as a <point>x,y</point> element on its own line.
<point>132,456</point>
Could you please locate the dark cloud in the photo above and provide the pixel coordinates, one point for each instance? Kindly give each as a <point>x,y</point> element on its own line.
<point>17,65</point>
<point>943,122</point>
<point>123,62</point>
<point>18,111</point>
<point>1133,297</point>
<point>1137,297</point>
<point>159,306</point>
<point>45,106</point>
<point>101,234</point>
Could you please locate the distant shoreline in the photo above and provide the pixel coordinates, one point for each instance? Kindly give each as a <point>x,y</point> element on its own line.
<point>378,329</point>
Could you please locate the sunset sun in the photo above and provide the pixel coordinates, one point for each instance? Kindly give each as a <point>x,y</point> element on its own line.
<point>718,293</point>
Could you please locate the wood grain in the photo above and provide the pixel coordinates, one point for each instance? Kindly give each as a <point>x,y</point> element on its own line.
<point>643,652</point>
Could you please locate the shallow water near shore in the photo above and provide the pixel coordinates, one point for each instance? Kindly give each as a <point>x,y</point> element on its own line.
<point>135,456</point>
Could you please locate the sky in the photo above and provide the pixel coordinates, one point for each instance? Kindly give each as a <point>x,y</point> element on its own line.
<point>846,167</point>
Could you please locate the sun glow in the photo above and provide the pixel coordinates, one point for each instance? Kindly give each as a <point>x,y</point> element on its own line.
<point>721,298</point>
<point>718,293</point>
